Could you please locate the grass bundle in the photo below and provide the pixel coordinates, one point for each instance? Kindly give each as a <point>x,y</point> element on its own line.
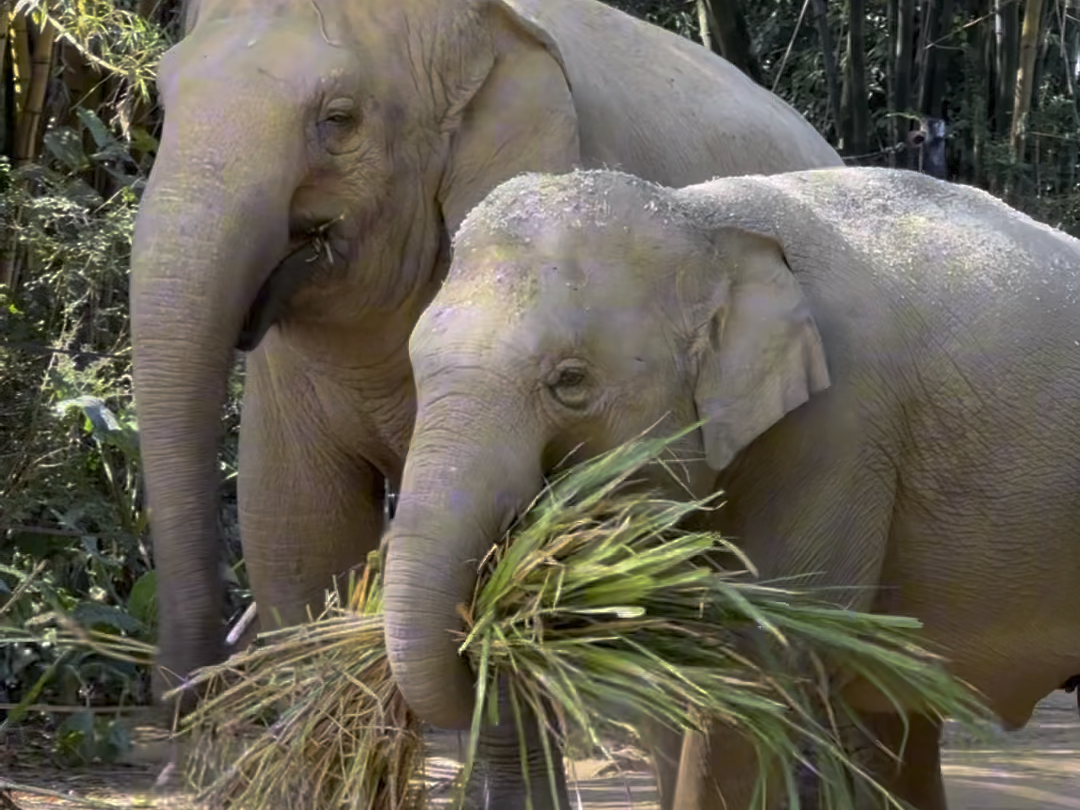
<point>600,597</point>
<point>330,727</point>
<point>603,598</point>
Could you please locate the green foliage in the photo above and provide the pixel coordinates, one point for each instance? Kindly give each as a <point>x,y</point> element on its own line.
<point>70,481</point>
<point>70,477</point>
<point>677,16</point>
<point>113,38</point>
<point>72,525</point>
<point>85,737</point>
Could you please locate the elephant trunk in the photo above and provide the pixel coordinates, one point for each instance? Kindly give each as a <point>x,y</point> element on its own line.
<point>211,228</point>
<point>456,499</point>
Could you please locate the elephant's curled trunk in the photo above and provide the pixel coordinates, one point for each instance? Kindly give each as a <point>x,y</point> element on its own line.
<point>453,505</point>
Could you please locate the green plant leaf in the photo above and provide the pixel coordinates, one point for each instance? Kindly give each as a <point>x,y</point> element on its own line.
<point>142,601</point>
<point>98,616</point>
<point>98,131</point>
<point>64,144</point>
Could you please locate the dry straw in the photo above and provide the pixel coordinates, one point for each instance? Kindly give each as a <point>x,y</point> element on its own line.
<point>600,598</point>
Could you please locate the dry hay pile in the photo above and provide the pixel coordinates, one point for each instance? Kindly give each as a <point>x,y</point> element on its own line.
<point>597,596</point>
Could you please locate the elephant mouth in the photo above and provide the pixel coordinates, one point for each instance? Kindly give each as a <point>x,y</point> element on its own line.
<point>298,267</point>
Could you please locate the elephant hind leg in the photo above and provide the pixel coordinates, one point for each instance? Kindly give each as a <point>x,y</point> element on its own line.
<point>1071,686</point>
<point>916,776</point>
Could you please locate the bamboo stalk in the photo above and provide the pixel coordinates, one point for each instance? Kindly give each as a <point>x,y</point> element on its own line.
<point>5,24</point>
<point>1025,74</point>
<point>26,141</point>
<point>20,43</point>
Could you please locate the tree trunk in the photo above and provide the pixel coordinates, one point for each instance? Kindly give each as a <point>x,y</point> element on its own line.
<point>1025,74</point>
<point>7,85</point>
<point>5,9</point>
<point>903,58</point>
<point>1070,49</point>
<point>1008,57</point>
<point>978,88</point>
<point>828,59</point>
<point>937,24</point>
<point>724,31</point>
<point>858,104</point>
<point>20,46</point>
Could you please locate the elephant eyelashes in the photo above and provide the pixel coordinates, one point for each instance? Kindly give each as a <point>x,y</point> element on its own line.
<point>340,112</point>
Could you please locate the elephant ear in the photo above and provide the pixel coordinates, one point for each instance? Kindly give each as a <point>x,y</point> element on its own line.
<point>514,114</point>
<point>758,354</point>
<point>189,12</point>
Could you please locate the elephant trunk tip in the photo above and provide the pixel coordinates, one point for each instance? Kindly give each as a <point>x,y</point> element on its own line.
<point>423,631</point>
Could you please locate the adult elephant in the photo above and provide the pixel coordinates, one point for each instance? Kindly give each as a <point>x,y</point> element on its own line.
<point>887,370</point>
<point>375,125</point>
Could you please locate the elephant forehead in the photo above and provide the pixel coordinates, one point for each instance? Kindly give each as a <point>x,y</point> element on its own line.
<point>563,259</point>
<point>333,20</point>
<point>536,201</point>
<point>287,52</point>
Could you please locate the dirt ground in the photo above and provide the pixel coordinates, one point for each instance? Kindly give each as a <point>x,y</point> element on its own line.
<point>1036,768</point>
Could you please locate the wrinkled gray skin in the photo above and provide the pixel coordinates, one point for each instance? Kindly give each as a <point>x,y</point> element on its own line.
<point>888,367</point>
<point>389,120</point>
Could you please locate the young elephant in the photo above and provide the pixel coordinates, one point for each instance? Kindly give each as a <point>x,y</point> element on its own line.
<point>889,367</point>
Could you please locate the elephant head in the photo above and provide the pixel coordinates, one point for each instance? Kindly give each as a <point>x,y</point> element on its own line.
<point>579,312</point>
<point>376,125</point>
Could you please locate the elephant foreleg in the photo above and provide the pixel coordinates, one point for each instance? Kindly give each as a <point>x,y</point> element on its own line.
<point>309,508</point>
<point>719,771</point>
<point>498,780</point>
<point>665,746</point>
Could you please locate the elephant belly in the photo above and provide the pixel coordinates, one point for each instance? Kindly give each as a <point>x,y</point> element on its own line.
<point>990,568</point>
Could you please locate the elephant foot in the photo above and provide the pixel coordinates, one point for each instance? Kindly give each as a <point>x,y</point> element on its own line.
<point>498,779</point>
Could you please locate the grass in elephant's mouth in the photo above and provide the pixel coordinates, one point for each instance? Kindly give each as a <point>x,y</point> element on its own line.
<point>599,600</point>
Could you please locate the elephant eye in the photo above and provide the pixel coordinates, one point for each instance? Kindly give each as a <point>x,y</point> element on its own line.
<point>338,118</point>
<point>338,127</point>
<point>570,387</point>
